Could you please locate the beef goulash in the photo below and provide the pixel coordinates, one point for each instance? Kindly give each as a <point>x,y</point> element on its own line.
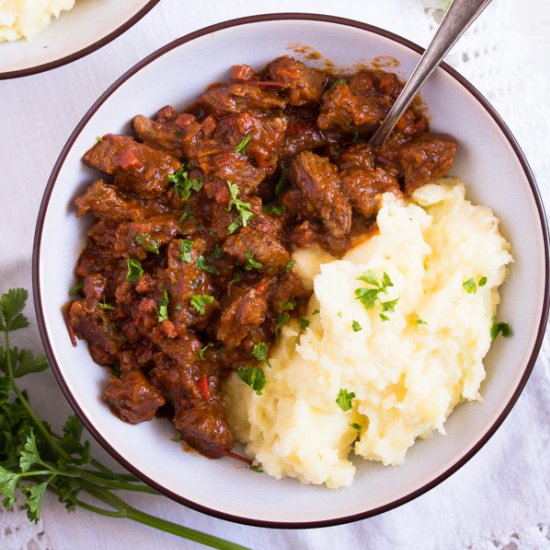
<point>186,273</point>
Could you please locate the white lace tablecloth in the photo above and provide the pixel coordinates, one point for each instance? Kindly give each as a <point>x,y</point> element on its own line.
<point>499,499</point>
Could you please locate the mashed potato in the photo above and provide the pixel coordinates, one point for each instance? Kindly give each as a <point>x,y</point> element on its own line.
<point>25,18</point>
<point>408,368</point>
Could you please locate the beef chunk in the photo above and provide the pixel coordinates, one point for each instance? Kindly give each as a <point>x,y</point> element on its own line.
<point>318,180</point>
<point>260,246</point>
<point>364,188</point>
<point>236,97</point>
<point>426,158</point>
<point>137,168</point>
<point>357,155</point>
<point>107,203</point>
<point>166,134</point>
<point>132,397</point>
<point>302,84</point>
<point>343,110</point>
<point>301,135</point>
<point>242,312</point>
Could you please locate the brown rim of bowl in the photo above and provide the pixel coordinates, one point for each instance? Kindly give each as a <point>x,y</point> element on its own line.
<point>84,51</point>
<point>74,403</point>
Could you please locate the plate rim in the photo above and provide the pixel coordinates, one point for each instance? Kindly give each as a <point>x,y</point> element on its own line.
<point>42,67</point>
<point>239,518</point>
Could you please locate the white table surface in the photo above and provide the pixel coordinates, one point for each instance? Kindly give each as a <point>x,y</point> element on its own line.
<point>38,113</point>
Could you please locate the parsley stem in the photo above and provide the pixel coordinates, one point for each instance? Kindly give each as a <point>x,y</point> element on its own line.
<point>124,510</point>
<point>39,424</point>
<point>115,484</point>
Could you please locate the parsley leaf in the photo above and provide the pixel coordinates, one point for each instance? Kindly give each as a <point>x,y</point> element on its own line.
<point>183,184</point>
<point>287,306</point>
<point>243,208</point>
<point>469,286</point>
<point>421,322</point>
<point>200,301</point>
<point>251,263</point>
<point>11,309</point>
<point>290,264</point>
<point>282,320</point>
<point>337,83</point>
<point>104,305</point>
<point>76,290</point>
<point>260,352</point>
<point>147,243</point>
<point>202,351</point>
<point>304,323</point>
<point>282,182</point>
<point>201,264</point>
<point>500,328</point>
<point>242,145</point>
<point>274,209</point>
<point>369,296</point>
<point>185,251</point>
<point>356,426</point>
<point>163,307</point>
<point>356,326</point>
<point>217,252</point>
<point>254,377</point>
<point>344,399</point>
<point>135,271</point>
<point>482,281</point>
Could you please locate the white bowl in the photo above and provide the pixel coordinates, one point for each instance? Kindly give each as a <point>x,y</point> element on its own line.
<point>78,32</point>
<point>489,160</point>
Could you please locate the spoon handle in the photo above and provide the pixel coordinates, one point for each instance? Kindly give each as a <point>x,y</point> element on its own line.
<point>458,18</point>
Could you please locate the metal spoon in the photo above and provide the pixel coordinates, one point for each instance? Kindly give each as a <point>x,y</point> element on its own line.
<point>458,18</point>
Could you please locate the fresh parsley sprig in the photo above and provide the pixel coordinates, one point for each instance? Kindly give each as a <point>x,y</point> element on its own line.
<point>369,296</point>
<point>242,208</point>
<point>34,459</point>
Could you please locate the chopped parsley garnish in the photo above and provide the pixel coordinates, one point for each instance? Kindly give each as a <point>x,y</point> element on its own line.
<point>104,305</point>
<point>257,469</point>
<point>344,399</point>
<point>185,251</point>
<point>183,184</point>
<point>336,84</point>
<point>201,264</point>
<point>470,286</point>
<point>204,348</point>
<point>356,426</point>
<point>287,306</point>
<point>200,301</point>
<point>356,326</point>
<point>242,145</point>
<point>260,352</point>
<point>147,243</point>
<point>500,328</point>
<point>482,281</point>
<point>290,264</point>
<point>186,215</point>
<point>242,208</point>
<point>77,289</point>
<point>251,263</point>
<point>304,323</point>
<point>99,139</point>
<point>421,322</point>
<point>282,320</point>
<point>315,312</point>
<point>254,377</point>
<point>282,183</point>
<point>163,307</point>
<point>274,209</point>
<point>135,271</point>
<point>217,252</point>
<point>369,296</point>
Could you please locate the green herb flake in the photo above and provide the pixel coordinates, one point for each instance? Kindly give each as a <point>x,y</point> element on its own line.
<point>147,243</point>
<point>339,314</point>
<point>282,182</point>
<point>255,468</point>
<point>217,252</point>
<point>315,312</point>
<point>290,264</point>
<point>200,301</point>
<point>469,286</point>
<point>282,320</point>
<point>383,316</point>
<point>185,251</point>
<point>104,305</point>
<point>135,271</point>
<point>203,350</point>
<point>242,145</point>
<point>162,309</point>
<point>356,326</point>
<point>76,290</point>
<point>356,426</point>
<point>370,296</point>
<point>304,323</point>
<point>274,209</point>
<point>344,399</point>
<point>260,351</point>
<point>482,281</point>
<point>287,306</point>
<point>99,139</point>
<point>243,209</point>
<point>186,214</point>
<point>254,377</point>
<point>500,328</point>
<point>421,322</point>
<point>201,264</point>
<point>337,83</point>
<point>251,263</point>
<point>183,184</point>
